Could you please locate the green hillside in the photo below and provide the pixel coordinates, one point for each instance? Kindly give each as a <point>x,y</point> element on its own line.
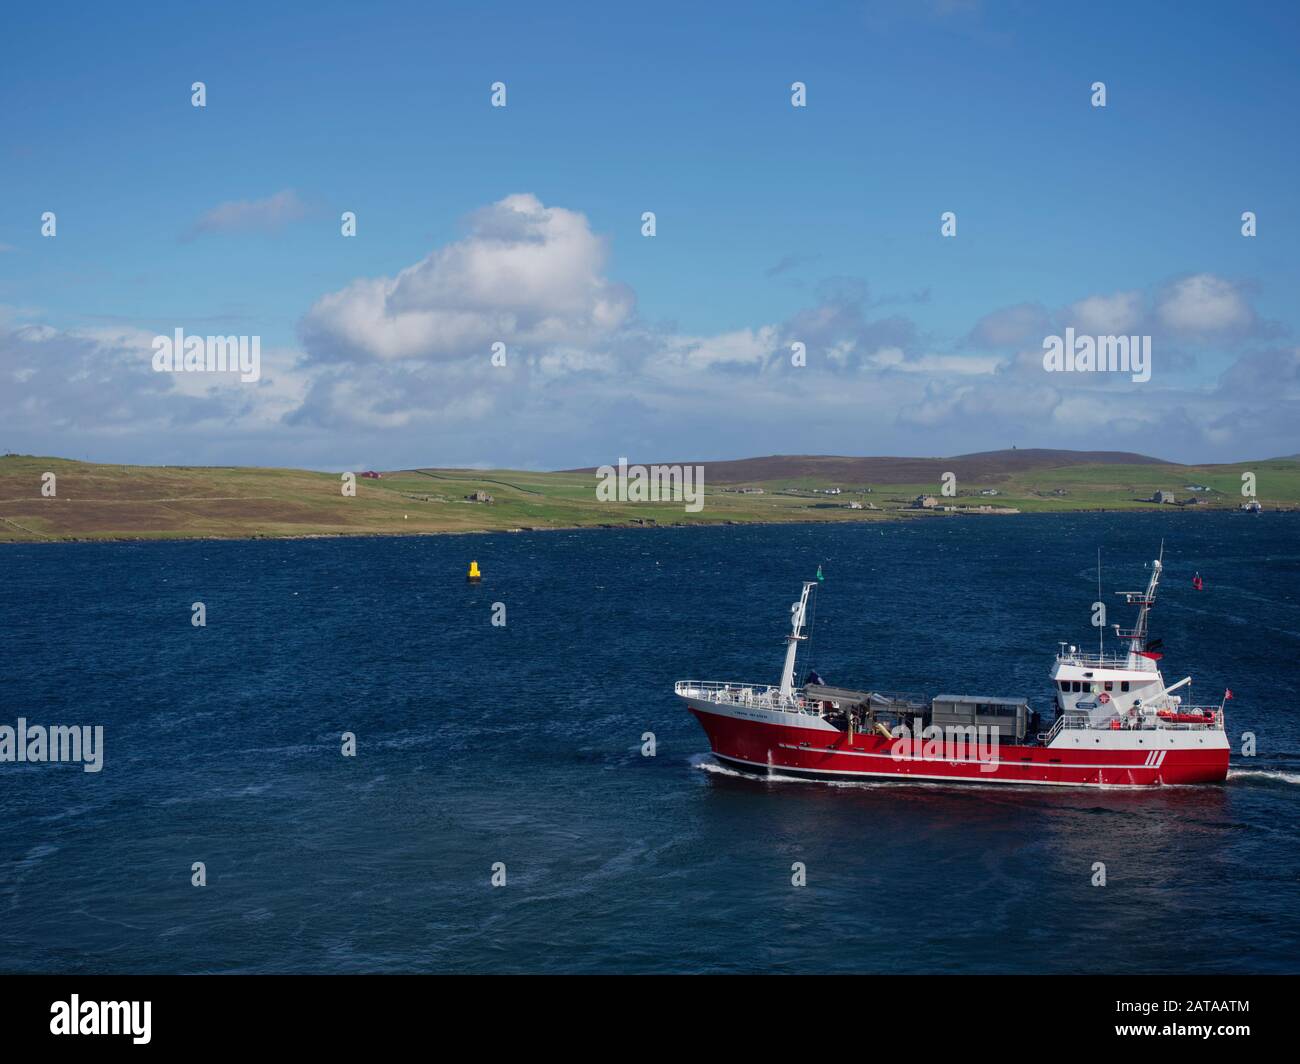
<point>94,501</point>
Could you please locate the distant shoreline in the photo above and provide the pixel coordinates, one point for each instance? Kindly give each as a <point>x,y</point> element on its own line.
<point>885,518</point>
<point>46,499</point>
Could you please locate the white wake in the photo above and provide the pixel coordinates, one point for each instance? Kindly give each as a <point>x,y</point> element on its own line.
<point>1263,774</point>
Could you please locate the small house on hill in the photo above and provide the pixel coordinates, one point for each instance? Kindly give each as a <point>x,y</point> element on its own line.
<point>479,496</point>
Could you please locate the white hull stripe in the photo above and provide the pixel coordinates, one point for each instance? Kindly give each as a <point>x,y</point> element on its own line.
<point>1154,759</point>
<point>989,777</point>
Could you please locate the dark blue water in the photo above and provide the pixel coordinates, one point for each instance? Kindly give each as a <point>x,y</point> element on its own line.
<point>479,744</point>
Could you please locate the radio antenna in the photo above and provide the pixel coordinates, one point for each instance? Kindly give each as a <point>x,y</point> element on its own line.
<point>1101,628</point>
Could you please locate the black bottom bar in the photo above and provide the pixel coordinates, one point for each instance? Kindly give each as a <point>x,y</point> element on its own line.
<point>598,1013</point>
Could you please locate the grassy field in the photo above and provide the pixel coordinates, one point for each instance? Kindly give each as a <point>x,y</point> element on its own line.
<point>95,502</point>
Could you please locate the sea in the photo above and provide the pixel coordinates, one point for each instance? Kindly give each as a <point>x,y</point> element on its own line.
<point>360,762</point>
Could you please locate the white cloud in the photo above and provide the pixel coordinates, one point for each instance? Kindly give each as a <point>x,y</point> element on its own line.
<point>65,387</point>
<point>526,275</point>
<point>960,365</point>
<point>1204,303</point>
<point>1116,314</point>
<point>397,368</point>
<point>696,354</point>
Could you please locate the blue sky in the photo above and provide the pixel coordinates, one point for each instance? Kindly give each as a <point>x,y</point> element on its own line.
<point>774,224</point>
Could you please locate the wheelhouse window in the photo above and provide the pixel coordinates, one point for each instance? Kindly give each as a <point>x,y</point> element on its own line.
<point>1123,685</point>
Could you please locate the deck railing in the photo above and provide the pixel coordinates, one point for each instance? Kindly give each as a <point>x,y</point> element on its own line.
<point>1105,661</point>
<point>1143,722</point>
<point>761,696</point>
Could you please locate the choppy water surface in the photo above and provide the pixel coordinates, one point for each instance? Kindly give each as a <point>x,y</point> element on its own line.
<point>522,744</point>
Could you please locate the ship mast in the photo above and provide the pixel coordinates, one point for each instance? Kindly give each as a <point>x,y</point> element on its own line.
<point>797,614</point>
<point>1101,628</point>
<point>1144,600</point>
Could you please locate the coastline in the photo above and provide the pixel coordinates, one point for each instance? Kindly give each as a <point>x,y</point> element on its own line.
<point>893,517</point>
<point>54,500</point>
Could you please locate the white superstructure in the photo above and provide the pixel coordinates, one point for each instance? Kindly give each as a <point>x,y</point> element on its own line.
<point>1122,690</point>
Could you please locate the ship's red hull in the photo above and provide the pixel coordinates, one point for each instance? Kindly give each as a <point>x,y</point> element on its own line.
<point>762,747</point>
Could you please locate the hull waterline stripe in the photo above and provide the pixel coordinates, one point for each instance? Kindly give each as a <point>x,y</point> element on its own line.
<point>1154,759</point>
<point>986,777</point>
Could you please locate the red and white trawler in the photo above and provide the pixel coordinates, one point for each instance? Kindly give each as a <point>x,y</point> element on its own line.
<point>1117,724</point>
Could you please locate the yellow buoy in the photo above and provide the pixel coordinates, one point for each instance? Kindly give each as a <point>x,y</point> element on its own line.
<point>473,575</point>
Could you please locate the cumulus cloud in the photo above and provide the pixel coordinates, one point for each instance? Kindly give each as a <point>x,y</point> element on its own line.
<point>397,368</point>
<point>58,379</point>
<point>1199,312</point>
<point>1205,304</point>
<point>398,396</point>
<point>525,274</point>
<point>250,216</point>
<point>865,367</point>
<point>1116,314</point>
<point>741,348</point>
<point>65,389</point>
